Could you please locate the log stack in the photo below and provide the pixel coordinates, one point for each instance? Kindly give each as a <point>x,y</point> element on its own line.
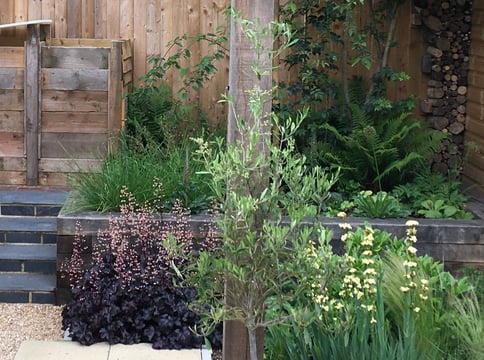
<point>446,30</point>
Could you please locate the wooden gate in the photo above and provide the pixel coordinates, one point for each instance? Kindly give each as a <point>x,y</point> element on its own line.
<point>61,104</point>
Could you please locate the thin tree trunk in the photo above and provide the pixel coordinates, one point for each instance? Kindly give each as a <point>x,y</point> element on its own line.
<point>236,344</point>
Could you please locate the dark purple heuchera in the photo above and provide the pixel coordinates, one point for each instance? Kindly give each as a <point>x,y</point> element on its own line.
<point>127,294</point>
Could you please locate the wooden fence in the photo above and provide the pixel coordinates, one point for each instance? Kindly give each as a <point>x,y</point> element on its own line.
<point>61,106</point>
<point>151,24</point>
<point>474,168</point>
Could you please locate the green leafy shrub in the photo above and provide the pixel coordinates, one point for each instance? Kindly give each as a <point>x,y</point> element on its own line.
<point>379,205</point>
<point>434,195</point>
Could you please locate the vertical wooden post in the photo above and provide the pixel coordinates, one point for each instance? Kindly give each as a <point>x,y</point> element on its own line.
<point>32,101</point>
<point>115,93</point>
<point>241,80</point>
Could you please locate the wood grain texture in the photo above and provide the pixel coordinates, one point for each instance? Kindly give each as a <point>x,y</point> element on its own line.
<point>11,99</point>
<point>74,122</point>
<point>12,57</point>
<point>75,79</point>
<point>84,101</point>
<point>12,121</point>
<point>75,58</point>
<point>73,146</point>
<point>11,78</point>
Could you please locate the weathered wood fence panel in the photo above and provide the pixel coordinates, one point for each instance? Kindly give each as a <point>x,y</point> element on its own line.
<point>12,162</point>
<point>72,112</point>
<point>474,167</point>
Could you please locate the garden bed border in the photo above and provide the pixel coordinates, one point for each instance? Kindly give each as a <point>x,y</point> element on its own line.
<point>456,243</point>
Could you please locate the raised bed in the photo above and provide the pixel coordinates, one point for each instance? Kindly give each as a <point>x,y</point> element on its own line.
<point>455,243</point>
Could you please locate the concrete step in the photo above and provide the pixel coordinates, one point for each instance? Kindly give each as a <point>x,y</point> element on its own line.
<point>36,230</point>
<point>28,236</point>
<point>38,202</point>
<point>27,288</point>
<point>28,258</point>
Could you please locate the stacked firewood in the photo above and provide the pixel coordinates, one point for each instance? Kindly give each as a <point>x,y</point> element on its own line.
<point>446,29</point>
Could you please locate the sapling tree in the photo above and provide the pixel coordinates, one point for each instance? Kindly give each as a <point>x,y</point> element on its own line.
<point>264,196</point>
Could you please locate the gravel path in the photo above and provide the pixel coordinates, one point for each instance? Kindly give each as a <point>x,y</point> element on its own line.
<point>19,322</point>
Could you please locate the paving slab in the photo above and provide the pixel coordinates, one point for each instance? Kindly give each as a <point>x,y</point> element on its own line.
<point>55,350</point>
<point>146,352</point>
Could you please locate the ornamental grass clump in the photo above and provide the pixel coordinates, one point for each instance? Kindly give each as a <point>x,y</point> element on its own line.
<point>127,293</point>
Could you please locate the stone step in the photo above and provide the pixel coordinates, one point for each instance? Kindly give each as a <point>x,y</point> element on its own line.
<point>28,258</point>
<point>27,288</point>
<point>33,230</point>
<point>38,203</point>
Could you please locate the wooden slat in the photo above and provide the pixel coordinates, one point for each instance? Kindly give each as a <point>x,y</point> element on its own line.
<point>143,28</point>
<point>12,121</point>
<point>112,31</point>
<point>12,57</point>
<point>73,146</point>
<point>91,43</point>
<point>11,144</point>
<point>21,10</point>
<point>88,20</point>
<point>74,122</point>
<point>12,163</point>
<point>75,58</point>
<point>475,111</point>
<point>53,179</point>
<point>53,100</point>
<point>73,79</point>
<point>74,17</point>
<point>68,165</point>
<point>100,19</point>
<point>35,9</point>
<point>48,9</point>
<point>60,18</point>
<point>11,78</point>
<point>11,99</point>
<point>476,95</point>
<point>12,177</point>
<point>126,18</point>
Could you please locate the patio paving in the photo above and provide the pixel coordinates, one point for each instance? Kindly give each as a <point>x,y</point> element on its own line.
<point>55,350</point>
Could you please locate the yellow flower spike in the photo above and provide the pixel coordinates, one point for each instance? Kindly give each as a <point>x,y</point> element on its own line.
<point>369,271</point>
<point>416,309</point>
<point>411,223</point>
<point>412,239</point>
<point>345,227</point>
<point>367,261</point>
<point>341,215</point>
<point>424,281</point>
<point>423,297</point>
<point>411,231</point>
<point>373,320</point>
<point>411,250</point>
<point>404,289</point>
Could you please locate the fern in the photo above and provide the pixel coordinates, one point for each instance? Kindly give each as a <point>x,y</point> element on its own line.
<point>381,152</point>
